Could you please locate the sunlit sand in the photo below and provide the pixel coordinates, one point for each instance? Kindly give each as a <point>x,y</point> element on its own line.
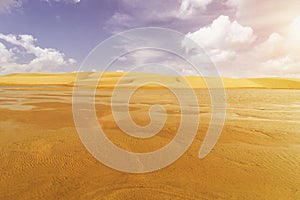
<point>42,157</point>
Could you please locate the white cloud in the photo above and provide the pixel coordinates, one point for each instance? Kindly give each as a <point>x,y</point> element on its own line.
<point>284,65</point>
<point>237,52</point>
<point>278,55</point>
<point>223,33</point>
<point>45,59</point>
<point>265,16</point>
<point>175,14</point>
<point>218,55</point>
<point>6,55</point>
<point>294,30</point>
<point>276,52</point>
<point>120,20</point>
<point>223,38</point>
<point>139,13</point>
<point>7,5</point>
<point>189,7</point>
<point>66,1</point>
<point>274,47</point>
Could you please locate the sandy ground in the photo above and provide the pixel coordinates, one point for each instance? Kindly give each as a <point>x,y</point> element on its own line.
<point>256,157</point>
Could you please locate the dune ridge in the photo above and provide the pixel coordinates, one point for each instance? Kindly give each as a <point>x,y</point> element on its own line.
<point>109,79</point>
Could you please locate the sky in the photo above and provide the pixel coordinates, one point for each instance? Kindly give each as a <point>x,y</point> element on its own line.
<point>243,38</point>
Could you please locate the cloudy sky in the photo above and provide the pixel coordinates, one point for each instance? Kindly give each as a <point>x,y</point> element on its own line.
<point>244,38</point>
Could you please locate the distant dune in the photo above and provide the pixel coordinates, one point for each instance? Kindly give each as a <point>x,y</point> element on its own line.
<point>110,79</point>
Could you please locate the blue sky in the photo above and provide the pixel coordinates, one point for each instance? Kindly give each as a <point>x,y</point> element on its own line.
<point>242,38</point>
<point>72,28</point>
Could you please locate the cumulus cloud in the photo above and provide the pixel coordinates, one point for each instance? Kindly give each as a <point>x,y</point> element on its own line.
<point>189,7</point>
<point>6,55</point>
<point>272,48</point>
<point>285,66</point>
<point>223,38</point>
<point>237,51</point>
<point>276,49</point>
<point>45,59</point>
<point>280,52</point>
<point>265,16</point>
<point>277,55</point>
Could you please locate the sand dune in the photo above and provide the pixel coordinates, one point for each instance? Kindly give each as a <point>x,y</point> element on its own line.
<point>42,157</point>
<point>109,79</point>
<point>281,83</point>
<point>37,79</point>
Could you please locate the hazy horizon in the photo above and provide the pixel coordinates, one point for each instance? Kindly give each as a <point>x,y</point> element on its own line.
<point>121,72</point>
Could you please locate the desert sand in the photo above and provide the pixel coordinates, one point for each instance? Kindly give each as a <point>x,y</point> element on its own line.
<point>42,157</point>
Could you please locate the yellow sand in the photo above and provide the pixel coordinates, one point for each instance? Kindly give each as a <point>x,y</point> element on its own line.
<point>42,157</point>
<point>133,79</point>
